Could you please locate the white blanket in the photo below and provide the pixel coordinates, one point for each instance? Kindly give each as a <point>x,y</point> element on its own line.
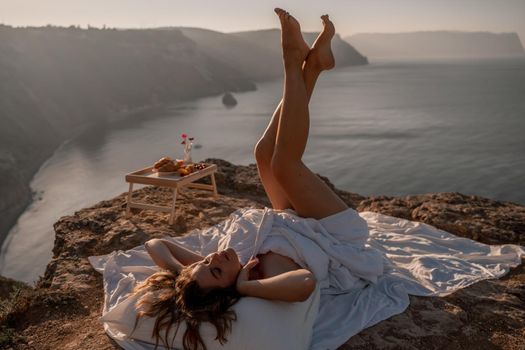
<point>363,280</point>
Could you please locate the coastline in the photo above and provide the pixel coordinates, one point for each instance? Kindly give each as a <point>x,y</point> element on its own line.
<point>12,217</point>
<point>114,118</point>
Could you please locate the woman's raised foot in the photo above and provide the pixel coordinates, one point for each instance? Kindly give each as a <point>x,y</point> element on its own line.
<point>295,49</point>
<point>321,56</point>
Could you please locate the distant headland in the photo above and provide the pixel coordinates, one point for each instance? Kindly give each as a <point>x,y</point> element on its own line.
<point>438,44</point>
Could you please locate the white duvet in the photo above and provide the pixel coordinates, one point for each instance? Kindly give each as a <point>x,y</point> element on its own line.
<point>366,264</point>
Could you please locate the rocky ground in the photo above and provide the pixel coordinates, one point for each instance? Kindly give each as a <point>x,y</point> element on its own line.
<point>62,310</point>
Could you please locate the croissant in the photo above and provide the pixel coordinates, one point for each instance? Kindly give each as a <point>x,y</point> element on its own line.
<point>164,160</point>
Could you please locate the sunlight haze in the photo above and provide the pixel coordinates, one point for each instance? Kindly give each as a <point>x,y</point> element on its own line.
<point>350,16</point>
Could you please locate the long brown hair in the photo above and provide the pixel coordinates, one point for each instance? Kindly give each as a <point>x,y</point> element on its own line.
<point>173,299</point>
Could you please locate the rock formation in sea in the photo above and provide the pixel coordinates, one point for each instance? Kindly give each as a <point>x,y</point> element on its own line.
<point>61,311</point>
<point>228,100</point>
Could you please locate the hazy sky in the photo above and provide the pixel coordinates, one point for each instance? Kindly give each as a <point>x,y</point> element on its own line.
<point>350,16</point>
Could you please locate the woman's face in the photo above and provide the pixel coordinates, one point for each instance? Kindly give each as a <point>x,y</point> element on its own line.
<point>217,270</point>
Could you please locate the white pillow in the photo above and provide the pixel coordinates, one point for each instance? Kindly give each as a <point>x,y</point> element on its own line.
<point>261,324</point>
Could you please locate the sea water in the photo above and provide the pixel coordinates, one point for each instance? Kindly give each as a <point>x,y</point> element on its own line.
<point>392,128</point>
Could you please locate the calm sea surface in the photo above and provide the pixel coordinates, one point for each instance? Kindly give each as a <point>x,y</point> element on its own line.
<point>393,128</point>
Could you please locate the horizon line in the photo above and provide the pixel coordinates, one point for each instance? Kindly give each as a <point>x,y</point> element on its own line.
<point>107,27</point>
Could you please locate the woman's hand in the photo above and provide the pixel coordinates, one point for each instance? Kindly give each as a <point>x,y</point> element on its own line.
<point>244,274</point>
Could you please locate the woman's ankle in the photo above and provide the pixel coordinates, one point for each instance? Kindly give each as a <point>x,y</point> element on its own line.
<point>311,68</point>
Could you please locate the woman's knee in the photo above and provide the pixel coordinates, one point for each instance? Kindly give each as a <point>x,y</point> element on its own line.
<point>263,152</point>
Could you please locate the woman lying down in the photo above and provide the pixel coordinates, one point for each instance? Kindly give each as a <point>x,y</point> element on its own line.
<point>207,287</point>
<point>316,242</point>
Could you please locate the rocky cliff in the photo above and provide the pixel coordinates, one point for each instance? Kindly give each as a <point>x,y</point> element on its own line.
<point>268,42</point>
<point>62,310</point>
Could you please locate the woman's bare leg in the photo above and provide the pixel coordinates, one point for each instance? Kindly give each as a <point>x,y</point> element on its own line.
<point>266,144</point>
<point>317,60</point>
<point>308,194</point>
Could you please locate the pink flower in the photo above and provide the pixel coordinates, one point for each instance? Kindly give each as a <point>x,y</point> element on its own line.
<point>184,136</point>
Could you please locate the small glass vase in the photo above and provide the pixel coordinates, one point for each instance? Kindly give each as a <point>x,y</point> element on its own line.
<point>187,152</point>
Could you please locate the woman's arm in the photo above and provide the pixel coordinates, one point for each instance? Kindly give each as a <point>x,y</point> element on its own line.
<point>296,285</point>
<point>170,255</point>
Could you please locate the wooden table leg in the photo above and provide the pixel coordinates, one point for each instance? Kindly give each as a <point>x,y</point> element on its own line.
<point>172,215</point>
<point>128,207</point>
<point>215,194</point>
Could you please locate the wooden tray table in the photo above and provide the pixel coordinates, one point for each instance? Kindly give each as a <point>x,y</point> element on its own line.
<point>148,177</point>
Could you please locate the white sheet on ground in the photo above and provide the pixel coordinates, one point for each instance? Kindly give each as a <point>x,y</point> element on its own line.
<point>364,279</point>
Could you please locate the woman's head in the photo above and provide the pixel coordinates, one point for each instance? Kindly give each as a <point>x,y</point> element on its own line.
<point>176,298</point>
<point>217,270</point>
